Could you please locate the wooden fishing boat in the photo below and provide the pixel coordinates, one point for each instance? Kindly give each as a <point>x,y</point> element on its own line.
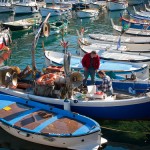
<point>116,4</point>
<point>87,13</point>
<point>26,7</point>
<point>132,31</point>
<point>115,55</point>
<point>23,24</point>
<point>137,24</point>
<point>121,68</point>
<point>135,2</point>
<point>109,107</point>
<point>124,39</point>
<point>44,124</point>
<point>146,8</point>
<point>6,6</point>
<point>142,13</point>
<point>140,49</point>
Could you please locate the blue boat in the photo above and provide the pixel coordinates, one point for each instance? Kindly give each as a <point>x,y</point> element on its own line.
<point>44,124</point>
<point>131,104</point>
<point>138,17</point>
<point>118,107</point>
<point>138,24</point>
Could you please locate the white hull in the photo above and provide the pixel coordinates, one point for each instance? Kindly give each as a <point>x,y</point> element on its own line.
<point>124,39</point>
<point>116,5</point>
<point>140,49</point>
<point>116,55</point>
<point>20,9</point>
<point>146,8</point>
<point>90,141</point>
<point>87,13</point>
<point>142,13</point>
<point>44,12</point>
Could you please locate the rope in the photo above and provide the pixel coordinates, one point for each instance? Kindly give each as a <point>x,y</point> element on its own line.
<point>125,131</point>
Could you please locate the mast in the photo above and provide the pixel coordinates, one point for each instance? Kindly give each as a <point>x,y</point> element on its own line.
<point>34,43</point>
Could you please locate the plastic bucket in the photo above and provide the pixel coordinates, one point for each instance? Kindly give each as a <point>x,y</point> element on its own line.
<point>91,89</point>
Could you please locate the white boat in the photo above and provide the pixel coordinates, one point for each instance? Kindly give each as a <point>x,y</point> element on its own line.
<point>116,55</point>
<point>140,49</point>
<point>23,24</point>
<point>101,46</point>
<point>142,13</point>
<point>132,31</point>
<point>98,4</point>
<point>46,125</point>
<point>120,69</point>
<point>55,10</point>
<point>6,6</point>
<point>87,13</point>
<point>146,8</point>
<point>135,2</point>
<point>124,39</point>
<point>116,5</point>
<point>26,7</point>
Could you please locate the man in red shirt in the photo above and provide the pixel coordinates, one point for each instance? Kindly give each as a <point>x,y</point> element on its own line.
<point>90,63</point>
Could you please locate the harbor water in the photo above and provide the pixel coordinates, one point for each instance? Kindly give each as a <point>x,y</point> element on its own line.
<point>121,135</point>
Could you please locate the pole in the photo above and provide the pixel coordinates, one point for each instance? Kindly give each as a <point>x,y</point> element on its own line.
<point>34,43</point>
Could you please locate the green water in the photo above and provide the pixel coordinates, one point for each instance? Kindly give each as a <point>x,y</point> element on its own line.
<point>122,135</point>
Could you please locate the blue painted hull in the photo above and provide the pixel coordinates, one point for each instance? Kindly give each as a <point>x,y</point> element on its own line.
<point>132,112</point>
<point>129,110</point>
<point>125,86</point>
<point>135,25</point>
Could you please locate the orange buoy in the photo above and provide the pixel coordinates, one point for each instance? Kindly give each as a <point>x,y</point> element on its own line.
<point>47,79</point>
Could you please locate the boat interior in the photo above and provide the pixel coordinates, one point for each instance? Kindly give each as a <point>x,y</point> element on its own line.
<point>53,84</point>
<point>37,120</point>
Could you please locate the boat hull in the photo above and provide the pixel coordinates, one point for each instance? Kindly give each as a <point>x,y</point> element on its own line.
<point>136,25</point>
<point>132,31</point>
<point>123,109</point>
<point>6,9</point>
<point>84,14</point>
<point>116,6</point>
<point>44,124</point>
<point>16,28</point>
<point>20,9</point>
<point>70,143</point>
<point>44,12</point>
<point>124,39</point>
